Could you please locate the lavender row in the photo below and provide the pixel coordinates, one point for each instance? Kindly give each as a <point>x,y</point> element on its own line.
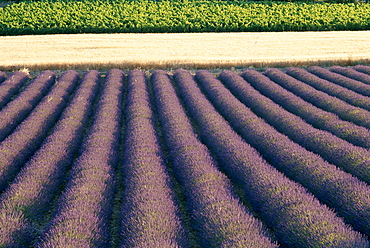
<point>353,159</point>
<point>28,198</point>
<point>357,135</point>
<point>19,108</point>
<point>320,99</point>
<point>352,73</point>
<point>339,190</point>
<point>217,216</point>
<point>357,86</point>
<point>28,136</point>
<point>3,76</point>
<point>11,86</point>
<point>150,216</point>
<point>297,218</point>
<point>362,68</point>
<point>85,206</point>
<point>330,87</point>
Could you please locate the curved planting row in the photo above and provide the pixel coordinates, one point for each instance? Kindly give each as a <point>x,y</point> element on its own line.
<point>357,135</point>
<point>342,191</point>
<point>352,73</point>
<point>320,99</point>
<point>311,77</point>
<point>217,216</point>
<point>157,159</point>
<point>83,211</point>
<point>356,86</point>
<point>294,215</point>
<point>11,86</point>
<point>150,216</point>
<point>345,155</point>
<point>28,136</point>
<point>18,109</point>
<point>362,68</point>
<point>28,197</point>
<point>3,76</point>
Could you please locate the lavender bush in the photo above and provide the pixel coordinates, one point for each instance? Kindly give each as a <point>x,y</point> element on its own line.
<point>19,108</point>
<point>294,215</point>
<point>331,87</point>
<point>296,162</point>
<point>84,209</point>
<point>28,136</point>
<point>357,135</point>
<point>150,216</point>
<point>3,76</point>
<point>320,99</point>
<point>11,86</point>
<point>217,216</point>
<point>336,78</point>
<point>362,68</point>
<point>353,159</point>
<point>352,73</point>
<point>28,198</point>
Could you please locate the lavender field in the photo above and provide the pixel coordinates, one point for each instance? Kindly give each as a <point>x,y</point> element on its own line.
<point>272,158</point>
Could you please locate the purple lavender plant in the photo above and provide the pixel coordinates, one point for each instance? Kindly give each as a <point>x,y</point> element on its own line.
<point>217,216</point>
<point>28,198</point>
<point>353,159</point>
<point>293,221</point>
<point>320,99</point>
<point>299,164</point>
<point>11,86</point>
<point>351,73</point>
<point>357,135</point>
<point>330,87</point>
<point>17,148</point>
<point>150,216</point>
<point>18,109</point>
<point>336,78</point>
<point>3,76</point>
<point>84,209</point>
<point>362,68</point>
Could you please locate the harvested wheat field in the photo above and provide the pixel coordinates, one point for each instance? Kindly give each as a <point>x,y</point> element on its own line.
<point>189,50</point>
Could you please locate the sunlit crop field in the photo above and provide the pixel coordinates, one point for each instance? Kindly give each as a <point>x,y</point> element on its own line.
<point>180,16</point>
<point>252,158</point>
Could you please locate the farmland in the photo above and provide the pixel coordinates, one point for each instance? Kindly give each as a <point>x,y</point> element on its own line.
<point>252,158</point>
<point>179,16</point>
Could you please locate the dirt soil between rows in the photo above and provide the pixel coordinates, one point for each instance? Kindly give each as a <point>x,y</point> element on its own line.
<point>183,50</point>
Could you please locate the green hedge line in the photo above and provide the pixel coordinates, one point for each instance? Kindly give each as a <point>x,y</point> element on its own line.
<point>143,16</point>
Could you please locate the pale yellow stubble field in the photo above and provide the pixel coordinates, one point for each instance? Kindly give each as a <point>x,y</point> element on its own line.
<point>189,50</point>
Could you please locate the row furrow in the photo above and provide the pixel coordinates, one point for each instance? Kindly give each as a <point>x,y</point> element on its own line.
<point>28,198</point>
<point>361,74</point>
<point>28,136</point>
<point>328,85</point>
<point>340,190</point>
<point>19,108</point>
<point>84,208</point>
<point>318,118</point>
<point>346,82</point>
<point>353,159</point>
<point>150,216</point>
<point>217,216</point>
<point>297,218</point>
<point>320,99</point>
<point>235,160</point>
<point>11,86</point>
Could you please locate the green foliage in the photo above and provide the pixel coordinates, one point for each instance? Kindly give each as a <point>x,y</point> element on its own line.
<point>143,16</point>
